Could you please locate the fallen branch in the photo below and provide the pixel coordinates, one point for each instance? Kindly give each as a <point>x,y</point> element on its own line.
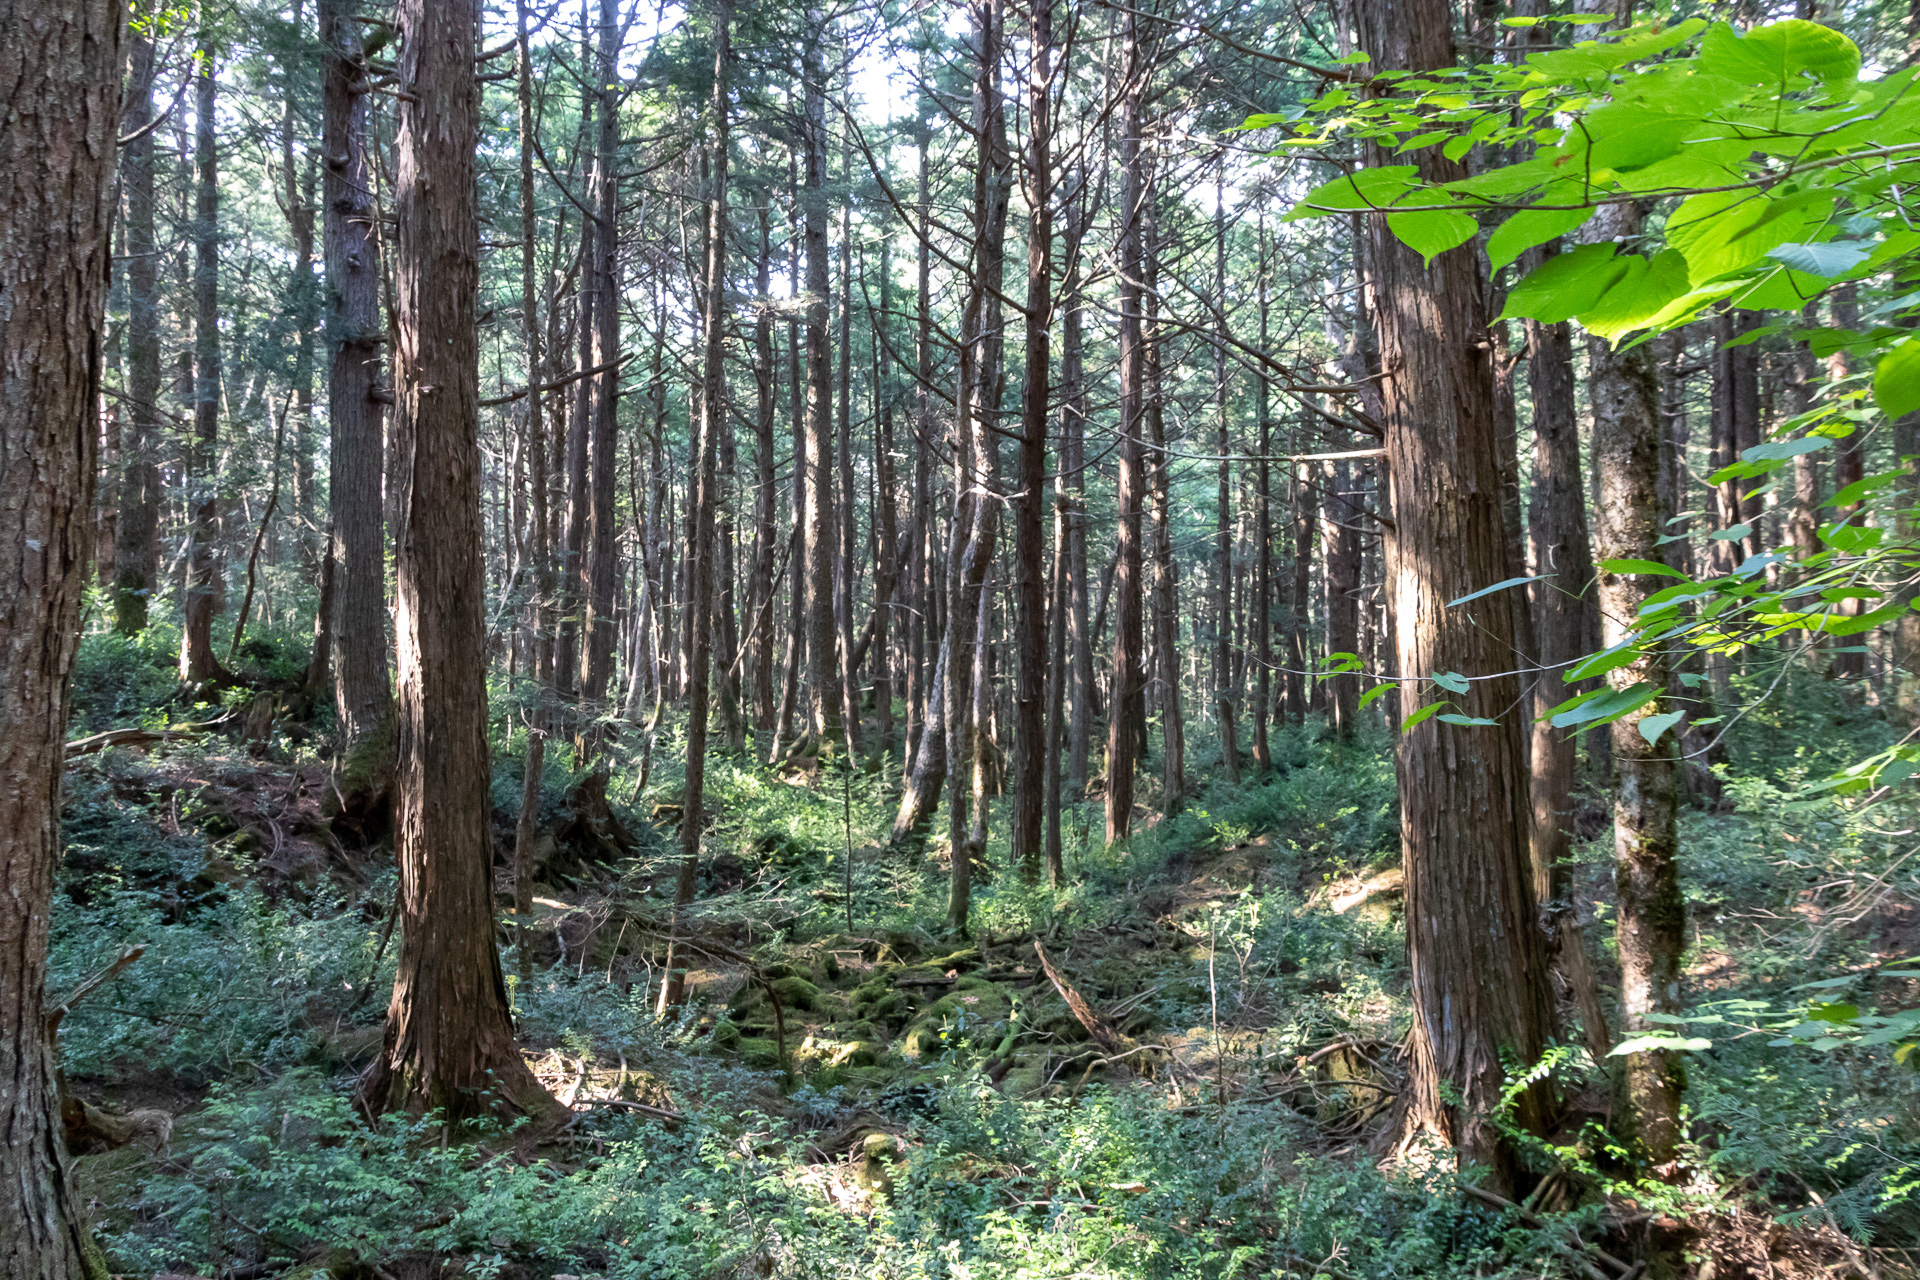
<point>1108,1038</point>
<point>90,984</point>
<point>141,738</point>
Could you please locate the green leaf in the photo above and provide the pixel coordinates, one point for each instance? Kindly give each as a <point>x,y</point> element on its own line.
<point>1531,227</point>
<point>1432,232</point>
<point>1598,664</point>
<point>1642,566</point>
<point>1472,720</point>
<point>1657,1041</point>
<point>1564,285</point>
<point>1608,707</point>
<point>1652,727</point>
<point>1774,450</point>
<point>1896,380</point>
<point>1840,1013</point>
<point>1732,533</point>
<point>1420,715</point>
<point>1724,231</point>
<point>1451,681</point>
<point>1643,292</point>
<point>1834,258</point>
<point>1375,692</point>
<point>1366,189</point>
<point>1775,55</point>
<point>1501,585</point>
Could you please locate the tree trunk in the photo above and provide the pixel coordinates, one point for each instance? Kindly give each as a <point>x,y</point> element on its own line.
<point>363,698</point>
<point>1561,550</point>
<point>1223,672</point>
<point>1629,520</point>
<point>136,546</point>
<point>1073,481</point>
<point>449,1039</point>
<point>1031,748</point>
<point>700,553</point>
<point>1480,987</point>
<point>1340,516</point>
<point>760,589</point>
<point>61,102</point>
<point>1129,680</point>
<point>198,665</point>
<point>822,528</point>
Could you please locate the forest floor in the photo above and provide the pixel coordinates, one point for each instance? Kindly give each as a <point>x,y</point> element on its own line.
<point>1203,1085</point>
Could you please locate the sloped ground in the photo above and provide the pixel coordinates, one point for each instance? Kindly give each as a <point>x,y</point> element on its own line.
<point>878,1100</point>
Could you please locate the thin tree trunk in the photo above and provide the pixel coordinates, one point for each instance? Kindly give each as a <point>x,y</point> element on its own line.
<point>1129,681</point>
<point>363,699</point>
<point>198,665</point>
<point>822,527</point>
<point>136,546</point>
<point>1340,516</point>
<point>1031,748</point>
<point>700,553</point>
<point>1629,521</point>
<point>1223,673</point>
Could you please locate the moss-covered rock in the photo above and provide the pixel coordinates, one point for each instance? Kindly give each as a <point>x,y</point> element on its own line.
<point>795,992</point>
<point>762,1055</point>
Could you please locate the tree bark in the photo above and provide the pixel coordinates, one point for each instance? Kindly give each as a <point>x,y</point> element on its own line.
<point>1480,986</point>
<point>449,1039</point>
<point>1129,680</point>
<point>1340,515</point>
<point>60,65</point>
<point>1031,748</point>
<point>822,528</point>
<point>1629,519</point>
<point>136,546</point>
<point>363,698</point>
<point>700,554</point>
<point>1223,673</point>
<point>198,664</point>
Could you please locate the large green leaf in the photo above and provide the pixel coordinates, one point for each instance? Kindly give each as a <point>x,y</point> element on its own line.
<point>1778,54</point>
<point>1834,258</point>
<point>1565,285</point>
<point>1432,232</point>
<point>1638,296</point>
<point>1896,380</point>
<point>1725,231</point>
<point>1530,227</point>
<point>1364,189</point>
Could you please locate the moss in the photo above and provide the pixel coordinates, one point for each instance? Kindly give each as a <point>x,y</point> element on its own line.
<point>726,1035</point>
<point>764,1055</point>
<point>778,970</point>
<point>795,992</point>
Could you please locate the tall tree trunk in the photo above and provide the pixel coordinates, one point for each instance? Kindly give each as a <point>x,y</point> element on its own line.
<point>449,1039</point>
<point>1031,748</point>
<point>1340,515</point>
<point>700,553</point>
<point>1629,521</point>
<point>1480,987</point>
<point>977,480</point>
<point>1561,551</point>
<point>599,573</point>
<point>1165,573</point>
<point>1073,483</point>
<point>539,551</point>
<point>822,527</point>
<point>198,664</point>
<point>1223,673</point>
<point>1129,680</point>
<point>363,698</point>
<point>1262,590</point>
<point>61,101</point>
<point>760,590</point>
<point>136,547</point>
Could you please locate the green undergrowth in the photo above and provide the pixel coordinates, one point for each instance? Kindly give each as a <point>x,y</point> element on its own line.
<point>926,1105</point>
